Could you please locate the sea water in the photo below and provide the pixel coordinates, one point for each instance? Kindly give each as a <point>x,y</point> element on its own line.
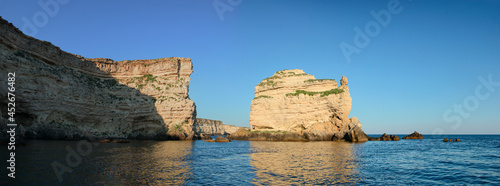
<point>429,161</point>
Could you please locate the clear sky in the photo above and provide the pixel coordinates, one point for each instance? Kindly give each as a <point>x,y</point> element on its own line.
<point>428,57</point>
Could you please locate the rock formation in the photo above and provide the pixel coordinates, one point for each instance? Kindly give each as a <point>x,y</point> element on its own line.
<point>219,139</point>
<point>65,96</point>
<point>451,140</point>
<point>213,127</point>
<point>414,135</point>
<point>385,137</point>
<point>295,102</point>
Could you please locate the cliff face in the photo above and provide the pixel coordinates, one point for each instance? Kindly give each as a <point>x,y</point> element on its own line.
<point>293,101</point>
<point>65,96</point>
<point>214,127</point>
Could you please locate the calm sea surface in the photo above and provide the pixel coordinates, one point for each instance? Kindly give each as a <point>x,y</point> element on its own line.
<point>475,160</point>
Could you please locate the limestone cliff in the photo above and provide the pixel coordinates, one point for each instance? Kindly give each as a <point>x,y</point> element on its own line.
<point>293,101</point>
<point>65,96</point>
<point>214,127</point>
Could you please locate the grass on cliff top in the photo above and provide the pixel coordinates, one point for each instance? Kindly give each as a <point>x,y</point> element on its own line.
<point>280,74</point>
<point>267,83</point>
<point>318,80</point>
<point>262,96</point>
<point>324,93</point>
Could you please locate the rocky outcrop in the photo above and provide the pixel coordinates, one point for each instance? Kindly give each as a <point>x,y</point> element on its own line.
<point>255,135</point>
<point>296,102</point>
<point>65,96</point>
<point>219,139</point>
<point>451,140</point>
<point>214,127</point>
<point>414,135</point>
<point>385,137</point>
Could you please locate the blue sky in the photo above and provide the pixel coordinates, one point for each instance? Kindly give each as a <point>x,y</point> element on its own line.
<point>408,77</point>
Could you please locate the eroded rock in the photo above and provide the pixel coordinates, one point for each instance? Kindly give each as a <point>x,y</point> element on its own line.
<point>66,96</point>
<point>414,135</point>
<point>313,109</point>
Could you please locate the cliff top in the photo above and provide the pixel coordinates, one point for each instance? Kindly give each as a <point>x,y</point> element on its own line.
<point>45,51</point>
<point>284,82</point>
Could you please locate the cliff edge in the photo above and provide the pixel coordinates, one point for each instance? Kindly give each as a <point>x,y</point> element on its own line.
<point>65,96</point>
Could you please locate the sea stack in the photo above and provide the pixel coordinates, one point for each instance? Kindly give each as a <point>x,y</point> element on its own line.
<point>291,101</point>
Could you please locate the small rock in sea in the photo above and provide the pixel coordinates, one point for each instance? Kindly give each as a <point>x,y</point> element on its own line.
<point>445,140</point>
<point>385,137</point>
<point>121,141</point>
<point>221,139</point>
<point>414,135</point>
<point>105,141</point>
<point>457,140</point>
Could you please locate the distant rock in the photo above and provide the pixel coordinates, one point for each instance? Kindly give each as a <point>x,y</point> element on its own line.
<point>105,141</point>
<point>414,135</point>
<point>451,140</point>
<point>208,127</point>
<point>385,137</point>
<point>219,139</point>
<point>121,141</point>
<point>293,104</point>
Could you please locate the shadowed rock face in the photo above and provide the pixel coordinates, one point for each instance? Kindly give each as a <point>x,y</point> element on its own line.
<point>65,96</point>
<point>317,109</point>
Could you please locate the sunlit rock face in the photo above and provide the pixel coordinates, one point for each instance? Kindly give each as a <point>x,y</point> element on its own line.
<point>293,101</point>
<point>60,95</point>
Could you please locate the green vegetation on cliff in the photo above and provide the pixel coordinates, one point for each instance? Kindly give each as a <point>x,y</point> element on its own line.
<point>318,80</point>
<point>262,96</point>
<point>324,93</point>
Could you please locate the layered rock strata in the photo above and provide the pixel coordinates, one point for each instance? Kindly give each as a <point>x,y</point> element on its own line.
<point>292,101</point>
<point>65,96</point>
<point>214,127</point>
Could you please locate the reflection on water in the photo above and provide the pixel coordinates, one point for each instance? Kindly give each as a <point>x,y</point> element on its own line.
<point>142,163</point>
<point>135,163</point>
<point>285,163</point>
<point>416,162</point>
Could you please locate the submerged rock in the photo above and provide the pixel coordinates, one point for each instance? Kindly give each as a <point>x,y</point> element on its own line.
<point>105,141</point>
<point>414,135</point>
<point>121,141</point>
